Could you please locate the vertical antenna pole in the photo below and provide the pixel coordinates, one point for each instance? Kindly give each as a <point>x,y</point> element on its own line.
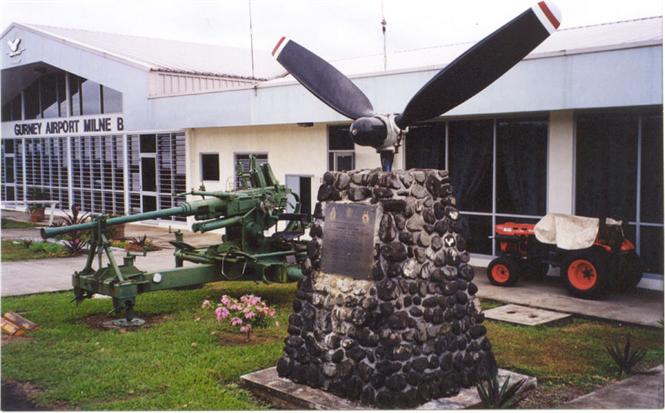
<point>383,29</point>
<point>251,36</point>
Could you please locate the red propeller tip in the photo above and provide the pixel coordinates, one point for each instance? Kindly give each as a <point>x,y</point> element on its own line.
<point>548,14</point>
<point>279,46</point>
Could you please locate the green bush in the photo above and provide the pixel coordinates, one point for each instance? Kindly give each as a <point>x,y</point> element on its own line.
<point>47,248</point>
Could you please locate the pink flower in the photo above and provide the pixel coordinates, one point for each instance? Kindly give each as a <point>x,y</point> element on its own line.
<point>249,315</point>
<point>246,328</point>
<point>235,321</point>
<point>225,299</point>
<point>206,304</point>
<point>221,313</point>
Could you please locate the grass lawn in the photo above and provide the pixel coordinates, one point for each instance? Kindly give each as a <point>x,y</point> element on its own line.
<point>180,363</point>
<point>12,224</point>
<point>20,250</point>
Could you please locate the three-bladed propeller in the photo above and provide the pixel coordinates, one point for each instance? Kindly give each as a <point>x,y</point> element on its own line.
<point>463,78</point>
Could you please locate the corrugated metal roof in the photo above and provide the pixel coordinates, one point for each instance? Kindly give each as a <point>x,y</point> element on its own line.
<point>171,55</point>
<point>212,60</point>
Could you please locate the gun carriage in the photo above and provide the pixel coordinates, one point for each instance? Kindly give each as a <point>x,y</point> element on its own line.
<point>245,253</point>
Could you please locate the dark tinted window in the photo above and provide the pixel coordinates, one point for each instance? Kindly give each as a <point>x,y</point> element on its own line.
<point>210,167</point>
<point>521,166</point>
<point>62,94</point>
<point>606,166</point>
<point>339,139</point>
<point>651,194</point>
<point>75,95</point>
<point>148,143</point>
<point>12,109</point>
<point>49,90</point>
<point>32,107</point>
<point>425,146</point>
<point>470,164</point>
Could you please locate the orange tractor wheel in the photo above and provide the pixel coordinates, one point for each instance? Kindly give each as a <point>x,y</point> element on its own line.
<point>585,273</point>
<point>503,271</point>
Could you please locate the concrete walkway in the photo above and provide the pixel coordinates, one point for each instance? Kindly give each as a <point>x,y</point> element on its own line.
<point>641,391</point>
<point>642,307</point>
<point>54,274</point>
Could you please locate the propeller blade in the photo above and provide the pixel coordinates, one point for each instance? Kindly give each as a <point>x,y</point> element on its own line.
<point>482,64</point>
<point>322,79</point>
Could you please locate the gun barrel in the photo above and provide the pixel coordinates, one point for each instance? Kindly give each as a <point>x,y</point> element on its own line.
<point>203,206</point>
<point>215,224</point>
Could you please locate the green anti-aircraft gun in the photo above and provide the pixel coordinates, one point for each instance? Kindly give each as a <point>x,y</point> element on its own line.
<point>245,252</point>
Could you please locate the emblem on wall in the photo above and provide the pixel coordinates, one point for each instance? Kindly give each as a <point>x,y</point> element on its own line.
<point>14,47</point>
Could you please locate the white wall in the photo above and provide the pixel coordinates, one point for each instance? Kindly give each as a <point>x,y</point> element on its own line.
<point>292,150</point>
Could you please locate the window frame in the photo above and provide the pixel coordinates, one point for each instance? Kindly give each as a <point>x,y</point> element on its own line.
<point>493,214</point>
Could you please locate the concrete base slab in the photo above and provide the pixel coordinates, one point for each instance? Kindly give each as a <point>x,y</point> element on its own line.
<point>285,394</point>
<point>519,314</point>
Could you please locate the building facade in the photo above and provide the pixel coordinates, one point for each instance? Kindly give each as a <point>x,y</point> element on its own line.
<point>122,125</point>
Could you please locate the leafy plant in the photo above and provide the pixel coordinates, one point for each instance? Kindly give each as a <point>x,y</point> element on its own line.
<point>625,357</point>
<point>75,242</point>
<point>493,395</point>
<point>246,314</point>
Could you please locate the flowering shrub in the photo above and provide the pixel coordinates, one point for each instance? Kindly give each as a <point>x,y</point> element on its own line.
<point>246,314</point>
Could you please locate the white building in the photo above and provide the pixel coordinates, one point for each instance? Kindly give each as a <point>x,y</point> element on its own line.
<point>119,124</point>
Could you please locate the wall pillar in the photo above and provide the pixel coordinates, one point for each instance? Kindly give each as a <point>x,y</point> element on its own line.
<point>561,163</point>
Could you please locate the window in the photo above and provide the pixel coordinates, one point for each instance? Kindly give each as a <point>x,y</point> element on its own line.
<point>521,146</point>
<point>425,146</point>
<point>148,143</point>
<point>32,105</point>
<point>75,95</point>
<point>497,169</point>
<point>159,162</point>
<point>12,110</point>
<point>210,166</point>
<point>49,92</point>
<point>242,162</point>
<point>341,149</point>
<point>91,97</point>
<point>111,100</point>
<point>619,173</point>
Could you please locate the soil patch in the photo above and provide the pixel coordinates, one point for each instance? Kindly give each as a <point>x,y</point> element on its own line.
<point>98,321</point>
<point>18,397</point>
<point>238,339</point>
<point>552,396</point>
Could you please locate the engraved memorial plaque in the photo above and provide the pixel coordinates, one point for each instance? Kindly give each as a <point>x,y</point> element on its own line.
<point>348,240</point>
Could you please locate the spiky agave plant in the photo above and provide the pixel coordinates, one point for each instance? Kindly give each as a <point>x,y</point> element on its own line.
<point>75,242</point>
<point>625,357</point>
<point>493,395</point>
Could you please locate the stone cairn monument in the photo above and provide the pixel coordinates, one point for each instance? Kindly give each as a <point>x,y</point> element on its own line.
<point>386,312</point>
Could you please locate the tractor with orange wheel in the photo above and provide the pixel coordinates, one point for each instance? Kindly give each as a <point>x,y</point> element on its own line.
<point>594,255</point>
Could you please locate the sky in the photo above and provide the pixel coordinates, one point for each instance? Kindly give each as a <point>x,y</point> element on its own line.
<point>334,29</point>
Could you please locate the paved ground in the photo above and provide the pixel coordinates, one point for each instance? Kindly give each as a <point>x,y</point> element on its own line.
<point>48,275</point>
<point>641,391</point>
<point>643,307</point>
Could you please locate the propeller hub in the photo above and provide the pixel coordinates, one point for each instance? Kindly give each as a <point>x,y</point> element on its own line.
<point>368,131</point>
